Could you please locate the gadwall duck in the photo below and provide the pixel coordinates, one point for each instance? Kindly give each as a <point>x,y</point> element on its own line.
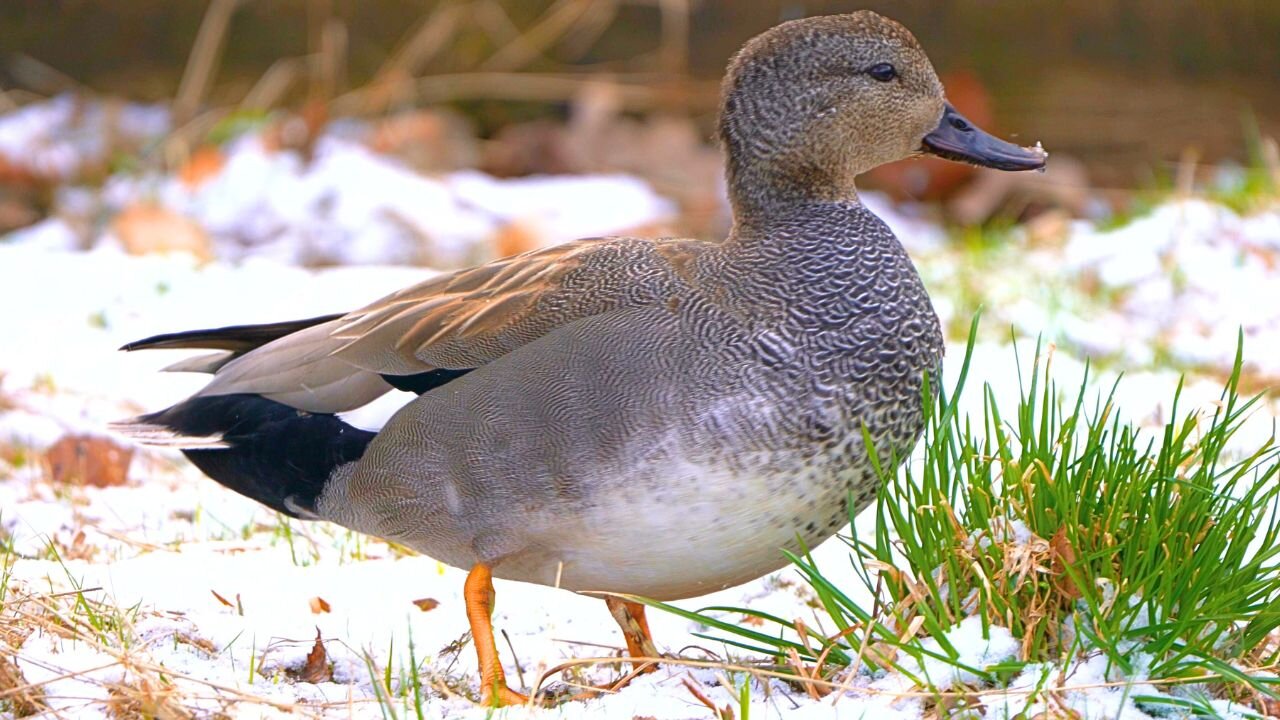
<point>659,418</point>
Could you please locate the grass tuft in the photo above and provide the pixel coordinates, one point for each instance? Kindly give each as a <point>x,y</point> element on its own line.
<point>1071,534</point>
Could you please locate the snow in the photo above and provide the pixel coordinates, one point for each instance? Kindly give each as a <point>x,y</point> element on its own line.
<point>1191,275</point>
<point>58,137</point>
<point>268,203</point>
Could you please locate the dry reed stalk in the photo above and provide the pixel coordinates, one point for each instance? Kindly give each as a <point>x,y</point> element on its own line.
<point>329,53</point>
<point>493,20</point>
<point>272,86</point>
<point>673,54</point>
<point>598,18</point>
<point>548,87</point>
<point>393,80</point>
<point>554,23</point>
<point>202,62</point>
<point>1184,183</point>
<point>1271,159</point>
<point>43,78</point>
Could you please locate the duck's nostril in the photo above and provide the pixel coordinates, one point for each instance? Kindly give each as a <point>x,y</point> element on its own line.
<point>960,124</point>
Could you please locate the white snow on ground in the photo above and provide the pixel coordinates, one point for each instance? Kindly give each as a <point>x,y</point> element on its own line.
<point>350,206</point>
<point>1191,275</point>
<point>345,204</point>
<point>58,137</point>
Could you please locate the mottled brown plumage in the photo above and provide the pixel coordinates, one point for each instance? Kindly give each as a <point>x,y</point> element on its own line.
<point>653,417</point>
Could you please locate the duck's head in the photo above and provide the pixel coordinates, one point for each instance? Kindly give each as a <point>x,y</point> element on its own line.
<point>812,103</point>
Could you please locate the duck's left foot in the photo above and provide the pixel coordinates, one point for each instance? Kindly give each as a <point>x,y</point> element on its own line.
<point>478,594</point>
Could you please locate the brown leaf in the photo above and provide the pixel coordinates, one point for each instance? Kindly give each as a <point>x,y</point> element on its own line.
<point>88,460</point>
<point>319,605</point>
<point>425,604</point>
<point>1063,556</point>
<point>317,669</point>
<point>145,228</point>
<point>517,237</point>
<point>222,600</point>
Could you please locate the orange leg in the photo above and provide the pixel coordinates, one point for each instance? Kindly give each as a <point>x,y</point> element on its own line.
<point>635,628</point>
<point>478,593</point>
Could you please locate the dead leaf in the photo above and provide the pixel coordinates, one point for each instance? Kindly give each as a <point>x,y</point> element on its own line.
<point>517,237</point>
<point>237,605</point>
<point>426,604</point>
<point>79,549</point>
<point>319,605</point>
<point>1063,556</point>
<point>203,165</point>
<point>146,228</point>
<point>88,460</point>
<point>317,669</point>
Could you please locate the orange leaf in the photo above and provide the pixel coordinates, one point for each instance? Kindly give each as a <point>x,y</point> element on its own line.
<point>319,605</point>
<point>425,604</point>
<point>317,669</point>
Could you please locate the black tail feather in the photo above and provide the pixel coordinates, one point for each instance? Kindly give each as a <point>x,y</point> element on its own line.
<point>272,453</point>
<point>238,339</point>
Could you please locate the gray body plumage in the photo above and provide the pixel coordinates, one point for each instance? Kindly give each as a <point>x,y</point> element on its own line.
<point>713,420</point>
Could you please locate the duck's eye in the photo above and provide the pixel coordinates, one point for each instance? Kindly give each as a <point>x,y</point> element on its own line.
<point>884,72</point>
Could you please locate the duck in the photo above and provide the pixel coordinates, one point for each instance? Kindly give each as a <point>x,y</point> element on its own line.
<point>639,418</point>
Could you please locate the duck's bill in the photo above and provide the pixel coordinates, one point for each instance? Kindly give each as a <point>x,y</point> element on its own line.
<point>957,139</point>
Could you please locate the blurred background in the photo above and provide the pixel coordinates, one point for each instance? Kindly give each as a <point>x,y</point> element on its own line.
<point>435,135</point>
<point>1131,96</point>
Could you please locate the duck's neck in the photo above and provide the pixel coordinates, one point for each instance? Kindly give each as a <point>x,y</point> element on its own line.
<point>760,191</point>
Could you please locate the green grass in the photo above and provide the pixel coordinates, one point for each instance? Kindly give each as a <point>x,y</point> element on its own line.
<point>1075,532</point>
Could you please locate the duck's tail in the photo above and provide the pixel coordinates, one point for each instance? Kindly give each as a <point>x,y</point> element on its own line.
<point>263,449</point>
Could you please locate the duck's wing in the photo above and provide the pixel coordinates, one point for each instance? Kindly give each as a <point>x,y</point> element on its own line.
<point>426,334</point>
<point>471,317</point>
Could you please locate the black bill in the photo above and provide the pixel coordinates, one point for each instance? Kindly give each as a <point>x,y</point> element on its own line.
<point>957,139</point>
